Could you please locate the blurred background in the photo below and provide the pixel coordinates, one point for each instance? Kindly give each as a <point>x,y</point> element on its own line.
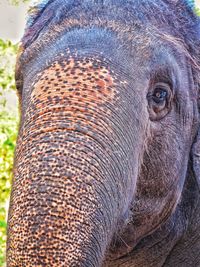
<point>12,22</point>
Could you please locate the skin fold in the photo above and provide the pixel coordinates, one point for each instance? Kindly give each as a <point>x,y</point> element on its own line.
<point>107,160</point>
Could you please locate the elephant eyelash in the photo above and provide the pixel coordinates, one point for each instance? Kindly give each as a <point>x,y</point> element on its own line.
<point>165,74</point>
<point>162,77</point>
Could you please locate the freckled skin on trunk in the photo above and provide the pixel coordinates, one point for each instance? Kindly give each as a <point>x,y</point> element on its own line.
<point>63,184</point>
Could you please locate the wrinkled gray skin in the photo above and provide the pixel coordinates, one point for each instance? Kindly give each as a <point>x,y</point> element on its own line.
<point>107,168</point>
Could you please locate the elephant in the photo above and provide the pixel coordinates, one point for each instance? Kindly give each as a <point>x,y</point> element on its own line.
<point>107,163</point>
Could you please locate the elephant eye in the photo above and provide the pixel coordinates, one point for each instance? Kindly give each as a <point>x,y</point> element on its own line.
<point>159,100</point>
<point>159,95</point>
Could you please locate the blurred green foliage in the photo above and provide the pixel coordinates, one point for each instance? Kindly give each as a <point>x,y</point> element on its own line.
<point>17,2</point>
<point>9,118</point>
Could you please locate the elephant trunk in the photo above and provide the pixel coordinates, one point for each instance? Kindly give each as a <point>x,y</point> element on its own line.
<point>74,171</point>
<point>61,204</point>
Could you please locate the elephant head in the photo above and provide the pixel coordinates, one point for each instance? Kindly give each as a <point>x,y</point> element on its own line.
<point>107,158</point>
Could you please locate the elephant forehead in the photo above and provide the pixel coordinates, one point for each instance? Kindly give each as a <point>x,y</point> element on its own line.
<point>83,79</point>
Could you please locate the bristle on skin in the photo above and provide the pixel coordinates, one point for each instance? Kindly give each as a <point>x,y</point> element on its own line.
<point>191,3</point>
<point>194,5</point>
<point>38,6</point>
<point>35,10</point>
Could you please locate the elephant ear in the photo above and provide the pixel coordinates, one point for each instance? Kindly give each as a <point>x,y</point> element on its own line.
<point>196,158</point>
<point>196,145</point>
